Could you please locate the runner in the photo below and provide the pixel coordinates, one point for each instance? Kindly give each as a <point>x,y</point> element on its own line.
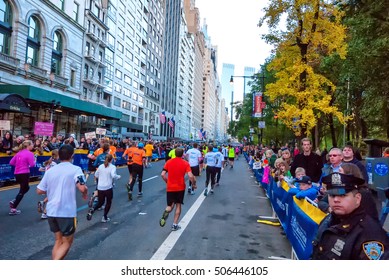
<point>126,155</point>
<point>175,186</point>
<point>149,153</point>
<point>23,161</point>
<point>138,157</point>
<point>193,156</point>
<point>231,155</point>
<point>106,173</point>
<point>60,183</point>
<point>219,164</point>
<point>210,171</point>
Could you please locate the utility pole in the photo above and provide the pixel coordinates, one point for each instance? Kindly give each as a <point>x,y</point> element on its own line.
<point>263,95</point>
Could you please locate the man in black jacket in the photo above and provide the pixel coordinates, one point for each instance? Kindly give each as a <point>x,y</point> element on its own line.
<point>311,162</point>
<point>349,157</point>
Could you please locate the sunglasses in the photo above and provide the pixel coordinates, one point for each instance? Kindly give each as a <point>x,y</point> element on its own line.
<point>333,155</point>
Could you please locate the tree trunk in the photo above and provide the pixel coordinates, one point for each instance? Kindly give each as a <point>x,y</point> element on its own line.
<point>332,129</point>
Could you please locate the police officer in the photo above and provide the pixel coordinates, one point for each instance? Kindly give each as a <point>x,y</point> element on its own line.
<point>348,233</point>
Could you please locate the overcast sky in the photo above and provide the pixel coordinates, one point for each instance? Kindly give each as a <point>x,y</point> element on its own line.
<point>232,26</point>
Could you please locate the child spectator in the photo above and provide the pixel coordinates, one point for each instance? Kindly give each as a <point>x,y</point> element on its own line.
<point>305,189</point>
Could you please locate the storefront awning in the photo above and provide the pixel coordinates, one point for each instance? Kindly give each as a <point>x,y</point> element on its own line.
<point>13,103</point>
<point>46,96</point>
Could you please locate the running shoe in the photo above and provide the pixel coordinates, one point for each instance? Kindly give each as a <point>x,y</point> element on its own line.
<point>128,187</point>
<point>105,220</point>
<point>140,194</point>
<point>211,192</point>
<point>44,216</point>
<point>11,203</point>
<point>192,192</point>
<point>89,215</point>
<point>101,208</point>
<point>129,195</point>
<point>189,190</point>
<point>14,211</point>
<point>206,192</point>
<point>175,227</point>
<point>162,221</point>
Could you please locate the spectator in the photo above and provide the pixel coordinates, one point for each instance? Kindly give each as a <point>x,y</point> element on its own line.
<point>308,160</point>
<point>304,189</point>
<point>6,143</point>
<point>348,156</point>
<point>386,152</point>
<point>335,157</point>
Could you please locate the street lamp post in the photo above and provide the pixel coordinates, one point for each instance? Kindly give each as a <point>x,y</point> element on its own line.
<point>263,95</point>
<point>244,82</point>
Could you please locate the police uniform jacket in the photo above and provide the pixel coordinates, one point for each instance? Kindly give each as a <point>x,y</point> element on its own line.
<point>355,237</point>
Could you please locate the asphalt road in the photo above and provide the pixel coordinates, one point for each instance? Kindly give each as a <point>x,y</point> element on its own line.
<point>221,226</point>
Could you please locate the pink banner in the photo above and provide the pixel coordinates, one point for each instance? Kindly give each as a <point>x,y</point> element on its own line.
<point>43,128</point>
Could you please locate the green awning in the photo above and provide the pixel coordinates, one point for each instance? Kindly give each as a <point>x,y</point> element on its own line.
<point>42,95</point>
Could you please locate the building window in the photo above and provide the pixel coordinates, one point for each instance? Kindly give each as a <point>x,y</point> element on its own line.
<point>62,5</point>
<point>33,41</point>
<point>76,10</point>
<point>72,78</point>
<point>56,58</point>
<point>5,26</point>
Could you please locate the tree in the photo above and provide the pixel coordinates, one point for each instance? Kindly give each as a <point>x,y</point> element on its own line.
<point>314,30</point>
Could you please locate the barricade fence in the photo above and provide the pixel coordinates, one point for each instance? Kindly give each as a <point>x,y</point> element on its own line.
<point>299,218</point>
<point>80,159</point>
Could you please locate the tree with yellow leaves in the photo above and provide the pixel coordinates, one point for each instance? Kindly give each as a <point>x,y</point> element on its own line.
<point>313,31</point>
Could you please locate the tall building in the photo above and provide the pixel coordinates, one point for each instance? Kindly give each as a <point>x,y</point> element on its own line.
<point>228,70</point>
<point>192,16</point>
<point>42,57</point>
<point>210,88</point>
<point>185,90</point>
<point>170,63</point>
<point>248,72</point>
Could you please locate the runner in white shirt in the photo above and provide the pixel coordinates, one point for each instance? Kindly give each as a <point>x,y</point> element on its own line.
<point>60,183</point>
<point>193,156</point>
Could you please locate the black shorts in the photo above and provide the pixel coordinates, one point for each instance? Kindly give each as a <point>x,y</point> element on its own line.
<point>195,170</point>
<point>67,226</point>
<point>231,159</point>
<point>175,197</point>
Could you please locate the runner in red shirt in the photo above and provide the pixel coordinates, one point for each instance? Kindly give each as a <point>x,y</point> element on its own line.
<point>175,186</point>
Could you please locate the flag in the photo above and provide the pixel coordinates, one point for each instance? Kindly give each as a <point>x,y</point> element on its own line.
<point>162,117</point>
<point>171,123</point>
<point>204,134</point>
<point>201,134</point>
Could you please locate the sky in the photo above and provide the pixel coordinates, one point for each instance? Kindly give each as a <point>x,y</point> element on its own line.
<point>232,26</point>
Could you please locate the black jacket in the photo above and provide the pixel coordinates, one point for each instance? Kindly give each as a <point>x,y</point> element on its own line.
<point>354,237</point>
<point>312,165</point>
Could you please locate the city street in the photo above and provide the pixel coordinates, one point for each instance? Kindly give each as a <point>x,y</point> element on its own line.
<point>222,226</point>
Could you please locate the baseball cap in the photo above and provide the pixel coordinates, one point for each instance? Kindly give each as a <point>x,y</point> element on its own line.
<point>305,180</point>
<point>140,145</point>
<point>340,184</point>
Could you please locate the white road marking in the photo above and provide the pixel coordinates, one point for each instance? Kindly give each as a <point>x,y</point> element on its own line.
<point>148,179</point>
<point>171,240</point>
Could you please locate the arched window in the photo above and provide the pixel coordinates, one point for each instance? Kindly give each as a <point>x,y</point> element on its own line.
<point>5,26</point>
<point>33,41</point>
<point>56,57</point>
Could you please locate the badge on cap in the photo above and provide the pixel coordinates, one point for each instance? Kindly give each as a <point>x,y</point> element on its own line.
<point>336,179</point>
<point>373,249</point>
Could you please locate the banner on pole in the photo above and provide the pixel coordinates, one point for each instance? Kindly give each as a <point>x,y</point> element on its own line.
<point>257,105</point>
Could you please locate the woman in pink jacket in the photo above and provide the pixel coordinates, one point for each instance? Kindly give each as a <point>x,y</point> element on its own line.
<point>23,160</point>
